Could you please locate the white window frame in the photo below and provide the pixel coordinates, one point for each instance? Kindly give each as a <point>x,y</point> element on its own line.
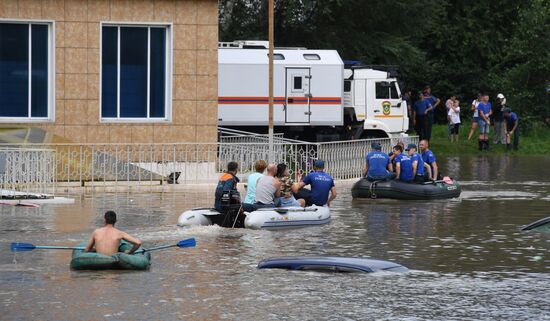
<point>168,72</point>
<point>51,73</point>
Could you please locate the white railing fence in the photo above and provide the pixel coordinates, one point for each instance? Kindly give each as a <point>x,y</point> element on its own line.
<point>35,167</point>
<point>25,171</point>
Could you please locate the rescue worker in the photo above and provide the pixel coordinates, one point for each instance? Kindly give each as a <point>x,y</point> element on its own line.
<point>321,183</point>
<point>430,162</point>
<point>227,185</point>
<point>378,166</point>
<point>417,164</point>
<point>403,165</point>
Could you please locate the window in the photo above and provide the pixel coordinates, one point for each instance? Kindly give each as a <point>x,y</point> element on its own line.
<point>297,83</point>
<point>135,77</point>
<point>26,71</point>
<point>347,86</point>
<point>393,90</point>
<point>277,56</point>
<point>312,57</point>
<point>386,90</point>
<point>382,90</point>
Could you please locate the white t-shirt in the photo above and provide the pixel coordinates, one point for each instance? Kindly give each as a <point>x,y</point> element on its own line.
<point>475,103</point>
<point>454,116</point>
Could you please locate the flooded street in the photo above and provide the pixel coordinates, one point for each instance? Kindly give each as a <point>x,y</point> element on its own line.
<point>468,258</point>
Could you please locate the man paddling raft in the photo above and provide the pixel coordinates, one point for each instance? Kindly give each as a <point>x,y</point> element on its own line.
<point>107,238</point>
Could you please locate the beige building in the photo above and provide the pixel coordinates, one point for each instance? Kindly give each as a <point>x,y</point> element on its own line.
<point>110,71</point>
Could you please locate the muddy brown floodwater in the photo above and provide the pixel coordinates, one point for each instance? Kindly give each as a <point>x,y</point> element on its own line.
<point>468,258</point>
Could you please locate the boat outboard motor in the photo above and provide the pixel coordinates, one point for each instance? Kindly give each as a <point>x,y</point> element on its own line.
<point>230,210</point>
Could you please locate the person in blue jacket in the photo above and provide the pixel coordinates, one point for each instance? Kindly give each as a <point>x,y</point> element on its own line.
<point>511,123</point>
<point>321,183</point>
<point>403,165</point>
<point>430,163</point>
<point>417,163</point>
<point>378,165</point>
<point>485,111</point>
<point>433,102</point>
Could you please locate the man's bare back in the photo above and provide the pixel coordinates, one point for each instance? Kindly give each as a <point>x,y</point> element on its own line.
<point>107,240</point>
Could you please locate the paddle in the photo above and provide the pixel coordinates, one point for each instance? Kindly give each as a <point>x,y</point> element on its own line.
<point>22,247</point>
<point>183,243</point>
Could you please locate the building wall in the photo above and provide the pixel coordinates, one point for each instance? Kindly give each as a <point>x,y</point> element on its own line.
<point>77,55</point>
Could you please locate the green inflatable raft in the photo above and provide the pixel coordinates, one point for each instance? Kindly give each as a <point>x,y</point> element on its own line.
<point>120,261</point>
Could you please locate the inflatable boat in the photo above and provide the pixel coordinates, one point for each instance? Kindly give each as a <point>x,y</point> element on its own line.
<point>330,264</point>
<point>120,261</point>
<point>405,191</point>
<point>265,218</point>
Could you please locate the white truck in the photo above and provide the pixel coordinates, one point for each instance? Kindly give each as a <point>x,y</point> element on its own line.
<point>315,97</point>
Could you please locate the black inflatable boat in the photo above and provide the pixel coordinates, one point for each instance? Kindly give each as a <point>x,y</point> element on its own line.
<point>405,191</point>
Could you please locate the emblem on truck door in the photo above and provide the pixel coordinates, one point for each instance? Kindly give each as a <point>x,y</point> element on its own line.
<point>386,107</point>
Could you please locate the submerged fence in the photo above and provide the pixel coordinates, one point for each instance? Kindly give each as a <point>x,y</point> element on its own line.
<point>123,164</point>
<point>25,171</point>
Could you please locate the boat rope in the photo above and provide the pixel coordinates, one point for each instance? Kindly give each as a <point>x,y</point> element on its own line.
<point>371,189</point>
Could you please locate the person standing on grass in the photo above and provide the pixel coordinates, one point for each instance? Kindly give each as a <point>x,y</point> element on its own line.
<point>420,111</point>
<point>511,128</point>
<point>453,115</point>
<point>407,97</point>
<point>484,109</point>
<point>448,105</point>
<point>475,118</point>
<point>499,136</point>
<point>434,102</point>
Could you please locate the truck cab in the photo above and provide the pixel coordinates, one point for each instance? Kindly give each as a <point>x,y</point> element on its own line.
<point>373,104</point>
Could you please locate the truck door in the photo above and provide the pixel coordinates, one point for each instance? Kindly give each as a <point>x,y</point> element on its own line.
<point>297,95</point>
<point>386,105</point>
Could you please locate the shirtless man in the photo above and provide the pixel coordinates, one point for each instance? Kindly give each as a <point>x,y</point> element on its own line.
<point>107,239</point>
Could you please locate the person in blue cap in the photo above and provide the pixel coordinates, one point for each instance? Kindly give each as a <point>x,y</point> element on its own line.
<point>321,183</point>
<point>511,128</point>
<point>417,163</point>
<point>403,165</point>
<point>378,166</point>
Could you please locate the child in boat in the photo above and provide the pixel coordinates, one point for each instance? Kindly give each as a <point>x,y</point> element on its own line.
<point>287,198</point>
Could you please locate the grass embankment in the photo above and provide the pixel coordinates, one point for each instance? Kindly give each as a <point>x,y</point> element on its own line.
<point>534,140</point>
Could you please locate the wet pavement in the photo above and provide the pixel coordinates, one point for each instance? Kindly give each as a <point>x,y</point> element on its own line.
<point>468,258</point>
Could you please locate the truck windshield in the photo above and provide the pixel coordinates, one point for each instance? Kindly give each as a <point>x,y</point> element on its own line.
<point>393,90</point>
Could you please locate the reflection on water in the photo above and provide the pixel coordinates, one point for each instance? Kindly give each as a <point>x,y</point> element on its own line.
<point>469,259</point>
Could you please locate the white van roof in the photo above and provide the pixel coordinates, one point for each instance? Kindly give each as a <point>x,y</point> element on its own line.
<point>282,56</point>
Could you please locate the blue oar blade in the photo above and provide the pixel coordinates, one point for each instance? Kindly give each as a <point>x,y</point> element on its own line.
<point>20,247</point>
<point>187,243</point>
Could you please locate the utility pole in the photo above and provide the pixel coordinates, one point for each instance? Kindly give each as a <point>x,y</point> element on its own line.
<point>271,158</point>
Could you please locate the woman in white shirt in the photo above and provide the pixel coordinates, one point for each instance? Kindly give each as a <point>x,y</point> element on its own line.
<point>454,120</point>
<point>475,116</point>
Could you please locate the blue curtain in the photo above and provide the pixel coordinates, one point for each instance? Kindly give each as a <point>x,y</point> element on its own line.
<point>133,72</point>
<point>14,70</point>
<point>39,74</point>
<point>158,72</point>
<point>109,72</point>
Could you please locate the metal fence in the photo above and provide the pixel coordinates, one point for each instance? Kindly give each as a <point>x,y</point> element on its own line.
<point>26,171</point>
<point>123,164</point>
